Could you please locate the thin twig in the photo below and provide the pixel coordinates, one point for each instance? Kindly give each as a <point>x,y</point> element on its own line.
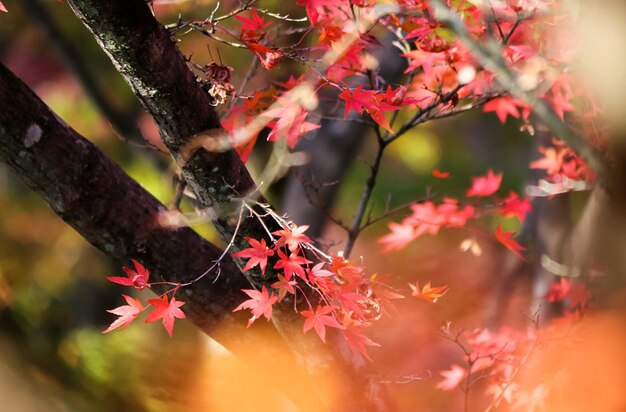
<point>355,229</point>
<point>218,261</point>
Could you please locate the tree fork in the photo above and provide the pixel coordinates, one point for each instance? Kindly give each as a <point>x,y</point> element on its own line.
<point>151,63</point>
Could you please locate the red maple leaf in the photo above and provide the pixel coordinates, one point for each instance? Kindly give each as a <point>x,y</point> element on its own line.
<point>502,106</point>
<point>424,59</point>
<point>451,378</point>
<point>383,291</point>
<point>350,302</point>
<point>485,185</point>
<point>357,99</point>
<point>260,304</point>
<point>314,8</point>
<point>254,24</point>
<point>397,97</point>
<point>379,117</point>
<point>319,319</point>
<point>137,277</point>
<point>2,8</point>
<point>166,310</point>
<point>559,290</point>
<point>560,96</point>
<point>373,103</point>
<point>126,313</point>
<point>257,254</point>
<point>291,264</point>
<point>292,237</point>
<point>352,274</point>
<point>252,29</point>
<point>513,205</point>
<point>506,238</point>
<point>357,341</point>
<point>428,293</point>
<point>316,272</point>
<point>428,218</point>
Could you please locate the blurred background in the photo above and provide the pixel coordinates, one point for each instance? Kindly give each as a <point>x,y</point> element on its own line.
<point>54,296</point>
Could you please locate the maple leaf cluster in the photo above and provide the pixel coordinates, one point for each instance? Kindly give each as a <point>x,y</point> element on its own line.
<point>349,300</point>
<point>442,75</point>
<point>252,34</point>
<point>163,308</point>
<point>429,218</point>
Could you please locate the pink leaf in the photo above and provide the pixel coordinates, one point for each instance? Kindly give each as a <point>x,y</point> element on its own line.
<point>319,319</point>
<point>400,236</point>
<point>126,313</point>
<point>260,304</point>
<point>485,185</point>
<point>502,106</point>
<point>513,205</point>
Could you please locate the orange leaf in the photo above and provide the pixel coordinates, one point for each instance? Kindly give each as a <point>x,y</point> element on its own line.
<point>428,293</point>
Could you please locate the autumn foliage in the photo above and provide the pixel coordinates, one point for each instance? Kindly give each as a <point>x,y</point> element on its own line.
<point>510,59</point>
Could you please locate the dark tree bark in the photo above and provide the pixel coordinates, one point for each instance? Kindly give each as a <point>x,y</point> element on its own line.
<point>151,63</point>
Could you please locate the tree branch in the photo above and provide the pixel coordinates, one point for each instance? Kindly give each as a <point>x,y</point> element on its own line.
<point>116,215</point>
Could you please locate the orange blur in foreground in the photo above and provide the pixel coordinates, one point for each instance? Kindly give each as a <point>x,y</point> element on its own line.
<point>582,369</point>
